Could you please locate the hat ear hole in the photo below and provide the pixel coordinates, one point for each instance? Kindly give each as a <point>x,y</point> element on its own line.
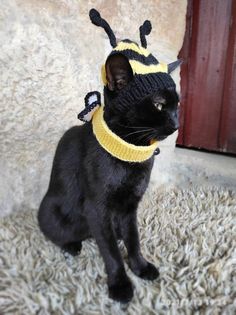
<point>118,72</point>
<point>111,85</point>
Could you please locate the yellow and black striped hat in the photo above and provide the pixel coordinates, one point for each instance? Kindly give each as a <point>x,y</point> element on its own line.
<point>149,74</point>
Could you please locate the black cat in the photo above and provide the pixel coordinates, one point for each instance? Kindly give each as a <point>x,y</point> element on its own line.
<point>93,194</point>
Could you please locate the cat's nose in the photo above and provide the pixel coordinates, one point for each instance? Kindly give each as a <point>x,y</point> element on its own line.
<point>175,125</point>
<point>172,129</point>
<point>174,121</point>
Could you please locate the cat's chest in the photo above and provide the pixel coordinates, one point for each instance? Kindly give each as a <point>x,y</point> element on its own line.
<point>129,184</point>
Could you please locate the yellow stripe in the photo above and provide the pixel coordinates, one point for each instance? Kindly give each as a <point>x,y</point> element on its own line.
<point>140,50</point>
<point>116,146</point>
<point>140,68</point>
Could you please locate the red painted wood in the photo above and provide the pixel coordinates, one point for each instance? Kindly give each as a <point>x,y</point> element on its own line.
<point>207,68</point>
<point>227,131</point>
<point>208,76</point>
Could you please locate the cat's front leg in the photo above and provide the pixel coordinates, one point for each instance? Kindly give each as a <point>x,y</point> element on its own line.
<point>137,263</point>
<point>119,286</point>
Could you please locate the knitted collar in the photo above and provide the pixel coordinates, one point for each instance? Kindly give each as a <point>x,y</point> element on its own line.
<point>116,146</point>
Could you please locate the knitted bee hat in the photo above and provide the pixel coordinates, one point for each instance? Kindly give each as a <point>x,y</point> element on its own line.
<point>149,76</point>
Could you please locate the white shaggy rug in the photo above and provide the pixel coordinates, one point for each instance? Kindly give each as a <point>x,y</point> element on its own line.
<point>189,234</point>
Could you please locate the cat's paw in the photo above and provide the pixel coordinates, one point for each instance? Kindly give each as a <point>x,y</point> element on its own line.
<point>72,248</point>
<point>147,272</point>
<point>122,291</point>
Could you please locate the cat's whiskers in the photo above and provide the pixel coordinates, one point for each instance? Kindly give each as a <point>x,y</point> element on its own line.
<point>135,127</point>
<point>138,131</point>
<point>146,137</point>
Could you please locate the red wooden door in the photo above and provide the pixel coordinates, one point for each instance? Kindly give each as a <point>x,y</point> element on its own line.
<point>208,76</point>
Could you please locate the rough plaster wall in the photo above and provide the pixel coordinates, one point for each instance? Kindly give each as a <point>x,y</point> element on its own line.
<point>50,58</point>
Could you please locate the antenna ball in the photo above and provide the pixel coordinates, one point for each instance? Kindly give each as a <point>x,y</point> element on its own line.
<point>147,27</point>
<point>95,17</point>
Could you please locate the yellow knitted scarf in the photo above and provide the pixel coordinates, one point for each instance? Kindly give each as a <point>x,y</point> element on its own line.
<point>116,146</point>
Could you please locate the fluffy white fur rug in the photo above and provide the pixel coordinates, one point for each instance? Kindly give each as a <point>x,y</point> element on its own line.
<point>190,234</point>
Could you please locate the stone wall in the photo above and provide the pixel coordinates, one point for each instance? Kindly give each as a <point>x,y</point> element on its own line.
<point>50,57</point>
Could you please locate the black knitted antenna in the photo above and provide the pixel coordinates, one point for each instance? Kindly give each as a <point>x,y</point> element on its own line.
<point>96,19</point>
<point>144,30</point>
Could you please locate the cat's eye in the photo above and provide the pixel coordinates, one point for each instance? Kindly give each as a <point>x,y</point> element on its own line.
<point>158,106</point>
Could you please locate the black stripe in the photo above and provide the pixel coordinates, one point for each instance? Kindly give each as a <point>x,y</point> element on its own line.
<point>133,55</point>
<point>130,42</point>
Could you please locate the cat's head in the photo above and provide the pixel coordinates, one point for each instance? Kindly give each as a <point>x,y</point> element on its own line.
<point>151,115</point>
<point>140,97</point>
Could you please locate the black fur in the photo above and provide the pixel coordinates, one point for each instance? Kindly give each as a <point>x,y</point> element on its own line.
<point>92,194</point>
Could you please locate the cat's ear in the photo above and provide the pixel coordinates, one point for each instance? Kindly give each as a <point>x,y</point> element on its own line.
<point>173,65</point>
<point>118,72</point>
